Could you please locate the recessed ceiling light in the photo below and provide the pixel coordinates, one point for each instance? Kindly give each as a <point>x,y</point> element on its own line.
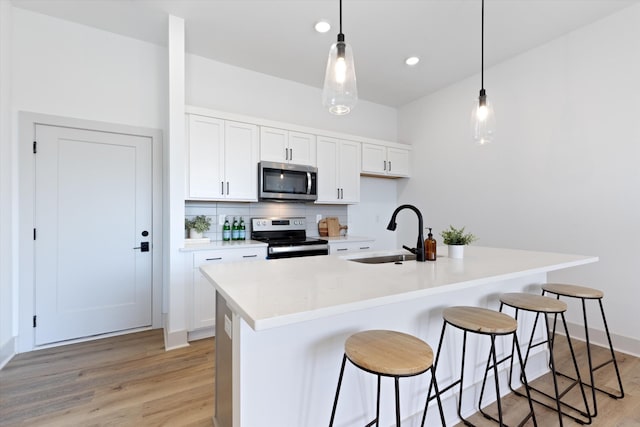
<point>412,60</point>
<point>322,26</point>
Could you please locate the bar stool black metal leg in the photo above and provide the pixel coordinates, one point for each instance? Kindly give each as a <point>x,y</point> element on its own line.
<point>497,380</point>
<point>613,356</point>
<point>523,378</point>
<point>553,370</point>
<point>335,400</point>
<point>377,420</point>
<point>397,402</point>
<point>433,384</point>
<point>587,412</point>
<point>586,335</point>
<point>464,351</point>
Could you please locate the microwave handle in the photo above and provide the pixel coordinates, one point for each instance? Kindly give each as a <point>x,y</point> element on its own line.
<point>308,182</point>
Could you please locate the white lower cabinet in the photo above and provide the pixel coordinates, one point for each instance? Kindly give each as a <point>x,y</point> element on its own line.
<point>350,247</point>
<point>203,306</point>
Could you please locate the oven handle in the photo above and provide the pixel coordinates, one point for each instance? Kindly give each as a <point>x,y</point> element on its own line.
<point>302,248</point>
<point>308,182</point>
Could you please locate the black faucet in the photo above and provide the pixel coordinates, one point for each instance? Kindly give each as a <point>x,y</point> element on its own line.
<point>419,249</point>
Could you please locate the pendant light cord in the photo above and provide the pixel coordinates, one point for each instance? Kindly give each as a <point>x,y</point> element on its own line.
<point>481,49</point>
<point>341,16</point>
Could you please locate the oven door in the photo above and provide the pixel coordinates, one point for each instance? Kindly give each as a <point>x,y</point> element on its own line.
<point>286,182</point>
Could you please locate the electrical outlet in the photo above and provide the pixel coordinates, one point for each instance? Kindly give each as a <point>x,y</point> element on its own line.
<point>221,219</point>
<point>227,326</point>
<point>318,218</point>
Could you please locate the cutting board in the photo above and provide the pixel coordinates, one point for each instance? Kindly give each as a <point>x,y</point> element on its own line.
<point>330,226</point>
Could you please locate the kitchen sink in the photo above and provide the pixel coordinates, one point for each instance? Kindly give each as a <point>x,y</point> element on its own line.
<point>386,259</point>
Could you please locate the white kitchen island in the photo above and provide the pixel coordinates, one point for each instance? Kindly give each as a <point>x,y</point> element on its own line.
<point>289,319</point>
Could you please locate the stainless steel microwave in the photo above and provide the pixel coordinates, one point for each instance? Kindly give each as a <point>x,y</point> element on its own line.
<point>287,182</point>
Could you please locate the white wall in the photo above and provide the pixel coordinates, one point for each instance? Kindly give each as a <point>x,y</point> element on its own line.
<point>563,174</point>
<point>7,192</point>
<point>223,87</point>
<point>369,218</point>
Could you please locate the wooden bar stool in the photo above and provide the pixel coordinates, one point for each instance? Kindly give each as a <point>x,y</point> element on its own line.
<point>387,354</point>
<point>584,293</point>
<point>485,322</point>
<point>541,305</point>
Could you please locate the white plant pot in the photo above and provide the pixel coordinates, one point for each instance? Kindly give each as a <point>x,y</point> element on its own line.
<point>193,234</point>
<point>456,251</point>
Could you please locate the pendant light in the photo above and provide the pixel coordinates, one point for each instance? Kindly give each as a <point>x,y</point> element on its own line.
<point>340,93</point>
<point>482,116</point>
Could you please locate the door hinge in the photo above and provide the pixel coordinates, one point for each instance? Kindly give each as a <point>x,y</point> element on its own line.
<point>35,147</point>
<point>34,234</point>
<point>34,321</point>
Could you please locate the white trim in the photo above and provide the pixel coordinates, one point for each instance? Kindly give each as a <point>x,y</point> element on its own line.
<point>621,343</point>
<point>176,339</point>
<point>190,109</point>
<point>201,333</point>
<point>26,127</point>
<point>7,351</point>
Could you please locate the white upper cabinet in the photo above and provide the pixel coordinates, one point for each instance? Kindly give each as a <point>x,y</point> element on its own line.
<point>279,145</point>
<point>222,159</point>
<point>338,171</point>
<point>384,160</point>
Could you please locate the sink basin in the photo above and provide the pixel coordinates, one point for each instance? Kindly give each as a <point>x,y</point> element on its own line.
<point>385,259</point>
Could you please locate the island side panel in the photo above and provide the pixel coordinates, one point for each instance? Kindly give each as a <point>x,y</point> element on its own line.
<point>288,374</point>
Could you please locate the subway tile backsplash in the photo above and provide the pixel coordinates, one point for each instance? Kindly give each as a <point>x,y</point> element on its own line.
<point>262,209</point>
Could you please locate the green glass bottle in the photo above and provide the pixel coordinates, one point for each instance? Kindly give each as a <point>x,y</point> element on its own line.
<point>243,229</point>
<point>226,230</point>
<point>235,229</point>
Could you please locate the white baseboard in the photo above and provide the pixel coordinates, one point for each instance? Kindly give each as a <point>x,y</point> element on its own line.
<point>620,343</point>
<point>174,340</point>
<point>7,351</point>
<point>199,334</point>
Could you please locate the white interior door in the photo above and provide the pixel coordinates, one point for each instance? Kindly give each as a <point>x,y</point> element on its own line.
<point>93,208</point>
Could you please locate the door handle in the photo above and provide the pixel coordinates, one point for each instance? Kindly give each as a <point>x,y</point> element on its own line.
<point>144,247</point>
<point>384,167</point>
<point>227,188</point>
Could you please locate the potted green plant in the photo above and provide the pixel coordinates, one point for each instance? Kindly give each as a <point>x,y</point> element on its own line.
<point>457,239</point>
<point>197,226</point>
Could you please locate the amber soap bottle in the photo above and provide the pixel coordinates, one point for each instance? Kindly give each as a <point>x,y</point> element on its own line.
<point>430,247</point>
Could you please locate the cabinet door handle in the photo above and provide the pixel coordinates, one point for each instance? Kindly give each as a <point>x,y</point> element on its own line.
<point>222,187</point>
<point>342,249</point>
<point>362,248</point>
<point>286,154</point>
<point>249,256</point>
<point>338,193</point>
<point>342,193</point>
<point>227,188</point>
<point>385,165</point>
<point>290,153</point>
<point>213,259</point>
<point>389,165</point>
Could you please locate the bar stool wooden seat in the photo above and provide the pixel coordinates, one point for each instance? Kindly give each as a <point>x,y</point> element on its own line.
<point>387,354</point>
<point>584,293</point>
<point>542,305</point>
<point>485,322</point>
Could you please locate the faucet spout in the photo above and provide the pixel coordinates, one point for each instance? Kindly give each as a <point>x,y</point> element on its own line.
<point>419,249</point>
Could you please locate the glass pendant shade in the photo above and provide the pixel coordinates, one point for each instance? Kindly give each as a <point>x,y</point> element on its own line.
<point>483,120</point>
<point>340,93</point>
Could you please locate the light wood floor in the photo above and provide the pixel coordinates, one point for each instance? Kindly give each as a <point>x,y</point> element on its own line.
<point>128,380</point>
<point>131,381</point>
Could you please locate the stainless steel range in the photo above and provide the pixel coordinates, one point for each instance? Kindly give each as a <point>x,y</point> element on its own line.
<point>287,237</point>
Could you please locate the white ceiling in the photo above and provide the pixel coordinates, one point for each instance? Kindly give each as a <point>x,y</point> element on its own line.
<point>276,37</point>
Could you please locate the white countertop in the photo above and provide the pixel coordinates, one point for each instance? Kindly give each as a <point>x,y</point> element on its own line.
<point>220,244</point>
<point>272,293</point>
